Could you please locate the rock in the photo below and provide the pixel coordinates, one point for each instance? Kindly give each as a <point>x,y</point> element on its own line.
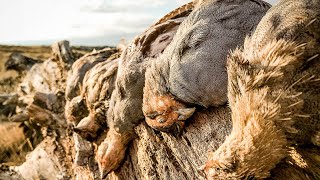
<point>19,62</point>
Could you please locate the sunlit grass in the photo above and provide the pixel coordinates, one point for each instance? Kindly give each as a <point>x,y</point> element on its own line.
<point>12,143</point>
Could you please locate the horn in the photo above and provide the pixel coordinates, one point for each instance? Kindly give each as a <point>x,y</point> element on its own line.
<point>185,113</point>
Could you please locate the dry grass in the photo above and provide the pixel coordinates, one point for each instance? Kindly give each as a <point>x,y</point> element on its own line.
<point>12,141</point>
<point>36,52</point>
<point>9,79</point>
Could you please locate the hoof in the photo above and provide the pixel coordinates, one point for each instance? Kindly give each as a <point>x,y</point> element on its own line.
<point>111,152</point>
<point>210,170</point>
<point>87,128</point>
<point>164,113</point>
<point>215,169</point>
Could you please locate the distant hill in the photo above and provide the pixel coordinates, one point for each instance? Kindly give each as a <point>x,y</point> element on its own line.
<point>8,79</point>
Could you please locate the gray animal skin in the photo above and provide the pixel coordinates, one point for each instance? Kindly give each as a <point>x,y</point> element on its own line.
<point>125,107</point>
<point>192,69</point>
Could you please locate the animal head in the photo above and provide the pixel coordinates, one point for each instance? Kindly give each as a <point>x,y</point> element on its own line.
<point>197,55</point>
<point>192,69</point>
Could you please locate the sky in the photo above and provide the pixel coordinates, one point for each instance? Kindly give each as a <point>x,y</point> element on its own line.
<point>82,22</point>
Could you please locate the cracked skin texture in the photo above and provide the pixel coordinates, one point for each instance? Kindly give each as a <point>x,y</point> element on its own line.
<point>112,98</point>
<point>125,108</point>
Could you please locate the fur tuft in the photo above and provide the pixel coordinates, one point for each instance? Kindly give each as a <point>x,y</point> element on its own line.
<point>274,96</point>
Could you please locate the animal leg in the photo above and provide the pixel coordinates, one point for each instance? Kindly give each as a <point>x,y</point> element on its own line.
<point>112,151</point>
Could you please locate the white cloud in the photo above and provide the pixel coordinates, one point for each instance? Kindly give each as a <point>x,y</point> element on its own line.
<point>181,2</point>
<point>59,19</point>
<point>113,6</point>
<point>44,20</point>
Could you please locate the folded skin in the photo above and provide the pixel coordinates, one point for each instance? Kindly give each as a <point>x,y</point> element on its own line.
<point>191,72</point>
<point>96,92</point>
<point>273,93</point>
<point>111,91</point>
<point>81,77</point>
<point>125,107</point>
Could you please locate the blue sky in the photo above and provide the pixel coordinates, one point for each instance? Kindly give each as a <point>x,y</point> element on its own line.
<point>83,22</point>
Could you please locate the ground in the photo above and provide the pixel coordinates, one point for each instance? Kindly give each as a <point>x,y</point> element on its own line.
<point>14,140</point>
